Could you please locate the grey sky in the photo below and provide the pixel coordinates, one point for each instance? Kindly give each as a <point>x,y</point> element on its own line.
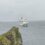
<point>11,10</point>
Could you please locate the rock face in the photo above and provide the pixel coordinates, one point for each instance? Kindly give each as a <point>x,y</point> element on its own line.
<point>4,41</point>
<point>12,37</point>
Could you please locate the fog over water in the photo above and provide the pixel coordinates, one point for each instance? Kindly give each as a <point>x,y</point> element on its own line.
<point>12,10</point>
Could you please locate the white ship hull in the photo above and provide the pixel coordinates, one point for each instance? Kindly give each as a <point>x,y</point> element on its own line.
<point>24,24</point>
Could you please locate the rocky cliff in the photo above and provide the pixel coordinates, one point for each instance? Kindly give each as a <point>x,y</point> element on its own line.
<point>12,37</point>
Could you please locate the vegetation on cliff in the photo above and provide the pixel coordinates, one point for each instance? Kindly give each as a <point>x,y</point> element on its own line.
<point>13,37</point>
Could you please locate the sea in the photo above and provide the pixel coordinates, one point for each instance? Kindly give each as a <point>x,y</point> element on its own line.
<point>33,34</point>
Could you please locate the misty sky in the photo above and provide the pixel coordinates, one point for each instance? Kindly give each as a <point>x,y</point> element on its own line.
<point>32,10</point>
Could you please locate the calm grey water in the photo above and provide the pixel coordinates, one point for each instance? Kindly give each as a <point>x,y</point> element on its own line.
<point>34,34</point>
